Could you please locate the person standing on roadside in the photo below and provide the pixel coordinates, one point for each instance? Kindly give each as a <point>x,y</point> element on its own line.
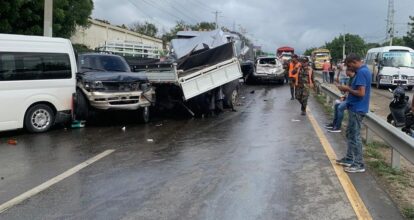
<point>305,83</point>
<point>332,71</point>
<point>342,77</point>
<point>293,79</point>
<point>358,106</point>
<point>325,71</point>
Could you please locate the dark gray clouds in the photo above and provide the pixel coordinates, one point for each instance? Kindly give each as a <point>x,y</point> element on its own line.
<point>270,23</point>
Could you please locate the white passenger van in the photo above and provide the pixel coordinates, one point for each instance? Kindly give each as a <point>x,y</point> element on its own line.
<point>391,66</point>
<point>37,82</point>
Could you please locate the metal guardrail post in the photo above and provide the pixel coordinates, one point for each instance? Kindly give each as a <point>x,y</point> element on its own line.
<point>328,100</point>
<point>395,159</point>
<point>369,135</point>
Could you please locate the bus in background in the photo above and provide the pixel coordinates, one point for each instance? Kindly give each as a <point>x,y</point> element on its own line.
<point>319,56</point>
<point>37,82</point>
<point>391,66</point>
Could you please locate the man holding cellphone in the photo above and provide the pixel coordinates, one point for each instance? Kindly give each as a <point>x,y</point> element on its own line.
<point>358,106</point>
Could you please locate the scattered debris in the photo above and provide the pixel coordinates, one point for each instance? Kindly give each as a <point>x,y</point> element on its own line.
<point>159,125</point>
<point>252,92</point>
<point>12,141</point>
<point>295,120</point>
<point>150,140</point>
<point>265,100</point>
<point>124,128</point>
<point>78,124</point>
<point>242,97</point>
<point>2,178</point>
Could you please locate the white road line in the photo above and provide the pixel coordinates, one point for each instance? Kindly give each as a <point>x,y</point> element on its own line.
<point>51,182</point>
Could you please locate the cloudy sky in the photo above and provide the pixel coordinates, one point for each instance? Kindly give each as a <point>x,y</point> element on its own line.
<point>269,23</point>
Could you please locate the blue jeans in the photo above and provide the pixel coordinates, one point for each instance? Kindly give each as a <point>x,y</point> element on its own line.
<point>339,114</point>
<point>325,77</point>
<point>343,81</point>
<point>353,134</point>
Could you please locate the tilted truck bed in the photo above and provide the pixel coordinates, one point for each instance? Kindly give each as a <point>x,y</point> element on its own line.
<point>194,78</point>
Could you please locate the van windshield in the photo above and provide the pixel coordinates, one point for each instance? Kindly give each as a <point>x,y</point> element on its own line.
<point>398,59</point>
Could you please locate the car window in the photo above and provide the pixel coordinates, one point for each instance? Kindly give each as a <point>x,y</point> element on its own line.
<point>271,61</point>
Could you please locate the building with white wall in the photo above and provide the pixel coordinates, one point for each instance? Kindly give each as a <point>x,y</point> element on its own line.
<point>106,37</point>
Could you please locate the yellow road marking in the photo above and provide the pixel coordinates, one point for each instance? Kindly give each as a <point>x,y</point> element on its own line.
<point>357,204</point>
<point>22,197</point>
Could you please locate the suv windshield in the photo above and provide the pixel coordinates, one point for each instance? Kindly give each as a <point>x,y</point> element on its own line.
<point>398,59</point>
<point>102,63</point>
<point>271,61</point>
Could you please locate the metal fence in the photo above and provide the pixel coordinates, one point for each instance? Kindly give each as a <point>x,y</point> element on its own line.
<point>401,144</point>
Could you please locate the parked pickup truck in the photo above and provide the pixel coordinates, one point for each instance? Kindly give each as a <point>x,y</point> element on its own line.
<point>105,82</point>
<point>201,81</point>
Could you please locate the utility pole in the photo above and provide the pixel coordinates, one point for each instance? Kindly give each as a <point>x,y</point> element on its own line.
<point>48,19</point>
<point>390,21</point>
<point>343,48</point>
<point>216,13</point>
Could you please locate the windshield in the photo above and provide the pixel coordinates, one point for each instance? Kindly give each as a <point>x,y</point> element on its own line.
<point>102,63</point>
<point>322,54</point>
<point>271,61</point>
<point>398,59</point>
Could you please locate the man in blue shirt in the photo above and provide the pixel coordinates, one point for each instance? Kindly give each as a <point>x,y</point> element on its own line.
<point>358,106</point>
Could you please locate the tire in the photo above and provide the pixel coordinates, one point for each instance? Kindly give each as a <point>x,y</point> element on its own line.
<point>390,119</point>
<point>144,114</point>
<point>82,109</point>
<point>233,99</point>
<point>377,84</point>
<point>39,118</point>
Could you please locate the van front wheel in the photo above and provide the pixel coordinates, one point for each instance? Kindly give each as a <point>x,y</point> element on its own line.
<point>39,118</point>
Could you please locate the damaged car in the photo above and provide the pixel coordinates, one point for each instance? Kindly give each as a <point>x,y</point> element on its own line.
<point>105,82</point>
<point>268,69</point>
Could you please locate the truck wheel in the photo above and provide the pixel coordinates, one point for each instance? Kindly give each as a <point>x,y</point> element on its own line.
<point>390,119</point>
<point>39,118</point>
<point>82,110</point>
<point>234,98</point>
<point>145,114</point>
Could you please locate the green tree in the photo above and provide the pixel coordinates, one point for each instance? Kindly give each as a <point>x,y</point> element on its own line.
<point>145,28</point>
<point>179,26</point>
<point>409,38</point>
<point>26,16</point>
<point>308,51</point>
<point>396,41</point>
<point>203,26</point>
<point>353,44</point>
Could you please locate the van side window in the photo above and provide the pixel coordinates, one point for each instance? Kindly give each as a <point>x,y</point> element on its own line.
<point>34,66</point>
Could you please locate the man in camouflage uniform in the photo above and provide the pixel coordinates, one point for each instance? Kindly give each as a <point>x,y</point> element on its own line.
<point>305,83</point>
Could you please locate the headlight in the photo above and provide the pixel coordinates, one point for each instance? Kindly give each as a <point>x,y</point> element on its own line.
<point>134,86</point>
<point>386,77</point>
<point>145,87</point>
<point>97,85</point>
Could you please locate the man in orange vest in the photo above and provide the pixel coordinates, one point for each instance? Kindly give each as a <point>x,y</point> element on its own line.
<point>294,64</point>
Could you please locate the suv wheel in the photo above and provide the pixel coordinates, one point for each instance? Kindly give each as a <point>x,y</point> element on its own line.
<point>145,114</point>
<point>39,118</point>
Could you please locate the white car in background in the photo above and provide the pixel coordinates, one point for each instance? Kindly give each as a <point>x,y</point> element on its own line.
<point>269,69</point>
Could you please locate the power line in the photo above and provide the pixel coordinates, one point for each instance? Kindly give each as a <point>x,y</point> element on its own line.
<point>159,3</point>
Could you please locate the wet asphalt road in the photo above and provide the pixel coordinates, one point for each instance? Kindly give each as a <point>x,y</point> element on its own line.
<point>258,163</point>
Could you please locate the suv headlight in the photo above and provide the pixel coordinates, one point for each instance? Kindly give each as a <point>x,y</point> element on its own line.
<point>97,85</point>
